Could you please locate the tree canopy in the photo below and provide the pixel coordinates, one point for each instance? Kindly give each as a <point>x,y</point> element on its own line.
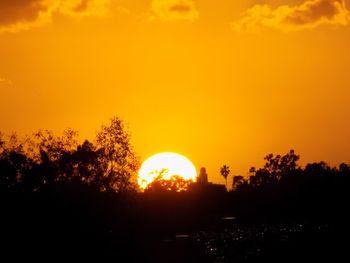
<point>108,163</point>
<point>284,172</point>
<point>176,183</point>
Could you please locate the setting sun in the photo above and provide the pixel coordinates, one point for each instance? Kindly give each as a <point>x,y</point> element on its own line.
<point>175,131</point>
<point>172,163</point>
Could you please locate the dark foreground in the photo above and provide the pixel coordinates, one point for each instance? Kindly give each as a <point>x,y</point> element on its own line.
<point>66,223</point>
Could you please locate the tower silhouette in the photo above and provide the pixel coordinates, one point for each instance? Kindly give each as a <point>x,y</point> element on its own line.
<point>203,176</point>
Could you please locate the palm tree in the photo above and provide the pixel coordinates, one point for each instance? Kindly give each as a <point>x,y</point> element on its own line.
<point>225,171</point>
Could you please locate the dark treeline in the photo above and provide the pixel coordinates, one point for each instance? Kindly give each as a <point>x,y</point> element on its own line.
<point>283,187</point>
<point>31,163</point>
<point>59,197</point>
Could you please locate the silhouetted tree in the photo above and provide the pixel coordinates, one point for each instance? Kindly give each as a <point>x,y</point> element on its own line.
<point>118,161</point>
<point>109,164</point>
<point>252,171</point>
<point>237,180</point>
<point>280,166</point>
<point>54,146</point>
<point>344,168</point>
<point>276,168</point>
<point>225,171</point>
<point>13,161</point>
<point>2,142</point>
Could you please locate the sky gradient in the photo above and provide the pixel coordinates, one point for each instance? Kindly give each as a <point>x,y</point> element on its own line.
<point>221,82</point>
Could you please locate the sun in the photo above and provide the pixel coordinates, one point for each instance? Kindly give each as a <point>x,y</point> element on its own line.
<point>173,163</point>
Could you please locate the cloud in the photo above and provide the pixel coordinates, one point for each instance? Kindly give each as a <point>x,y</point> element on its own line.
<point>81,8</point>
<point>169,10</point>
<point>16,15</point>
<point>307,15</point>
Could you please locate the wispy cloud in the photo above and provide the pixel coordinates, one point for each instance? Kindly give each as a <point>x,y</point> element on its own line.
<point>123,10</point>
<point>17,15</point>
<point>5,81</point>
<point>169,10</point>
<point>307,15</point>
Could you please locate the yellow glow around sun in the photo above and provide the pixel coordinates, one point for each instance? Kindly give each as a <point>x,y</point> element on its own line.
<point>174,163</point>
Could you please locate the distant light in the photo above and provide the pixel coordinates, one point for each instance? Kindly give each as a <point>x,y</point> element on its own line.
<point>182,236</point>
<point>229,218</point>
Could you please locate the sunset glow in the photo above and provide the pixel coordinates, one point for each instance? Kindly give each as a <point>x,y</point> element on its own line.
<point>170,163</point>
<point>235,79</point>
<point>175,131</point>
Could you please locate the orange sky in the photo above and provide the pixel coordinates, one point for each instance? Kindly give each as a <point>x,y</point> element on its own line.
<point>221,82</point>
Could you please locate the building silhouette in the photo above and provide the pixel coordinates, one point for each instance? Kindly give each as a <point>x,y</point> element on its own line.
<point>202,184</point>
<point>203,176</point>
